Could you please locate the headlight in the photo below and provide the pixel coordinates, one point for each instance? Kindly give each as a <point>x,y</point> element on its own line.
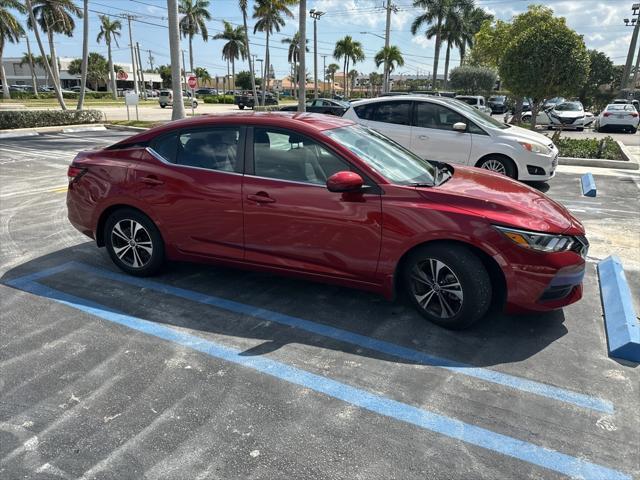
<point>535,147</point>
<point>538,241</point>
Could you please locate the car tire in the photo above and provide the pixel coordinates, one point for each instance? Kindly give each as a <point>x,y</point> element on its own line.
<point>241,107</point>
<point>499,164</point>
<point>143,257</point>
<point>579,129</point>
<point>163,106</point>
<point>634,130</point>
<point>468,297</point>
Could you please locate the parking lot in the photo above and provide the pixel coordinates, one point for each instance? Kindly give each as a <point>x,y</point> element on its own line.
<point>211,373</point>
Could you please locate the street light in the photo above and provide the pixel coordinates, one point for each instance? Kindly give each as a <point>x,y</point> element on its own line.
<point>261,71</point>
<point>315,14</point>
<point>632,47</point>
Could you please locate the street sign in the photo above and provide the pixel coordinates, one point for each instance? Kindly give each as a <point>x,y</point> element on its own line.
<point>122,75</point>
<point>131,98</point>
<point>192,81</point>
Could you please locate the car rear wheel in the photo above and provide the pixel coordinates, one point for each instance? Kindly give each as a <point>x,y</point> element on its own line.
<point>134,242</point>
<point>241,107</point>
<point>448,285</point>
<point>499,165</point>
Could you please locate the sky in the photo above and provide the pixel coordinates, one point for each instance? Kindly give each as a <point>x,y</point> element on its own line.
<point>599,21</point>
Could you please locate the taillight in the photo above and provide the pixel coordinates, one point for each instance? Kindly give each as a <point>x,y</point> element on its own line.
<point>634,115</point>
<point>74,173</point>
<point>606,114</point>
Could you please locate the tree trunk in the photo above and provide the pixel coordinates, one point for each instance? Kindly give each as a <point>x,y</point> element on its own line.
<point>233,75</point>
<point>517,113</point>
<point>535,107</point>
<point>32,68</point>
<point>3,76</point>
<point>228,78</point>
<point>54,60</point>
<point>44,57</point>
<point>344,83</point>
<point>436,55</point>
<point>265,75</point>
<point>112,73</point>
<point>446,65</point>
<point>191,53</point>
<point>174,52</point>
<point>251,65</point>
<point>302,47</point>
<point>85,55</point>
<point>463,52</point>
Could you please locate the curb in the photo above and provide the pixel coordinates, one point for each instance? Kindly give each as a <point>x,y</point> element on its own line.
<point>625,152</point>
<point>27,132</point>
<point>621,323</point>
<point>125,128</point>
<point>599,163</point>
<point>588,185</point>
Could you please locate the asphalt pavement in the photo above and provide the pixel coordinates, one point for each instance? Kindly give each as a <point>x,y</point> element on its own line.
<point>211,373</point>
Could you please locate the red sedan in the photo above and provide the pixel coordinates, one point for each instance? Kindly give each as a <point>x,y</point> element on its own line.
<point>322,198</point>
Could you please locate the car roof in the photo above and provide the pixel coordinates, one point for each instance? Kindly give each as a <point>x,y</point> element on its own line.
<point>414,96</point>
<point>308,122</point>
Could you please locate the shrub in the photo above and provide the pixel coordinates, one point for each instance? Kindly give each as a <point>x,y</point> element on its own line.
<point>473,80</point>
<point>218,99</point>
<point>210,99</point>
<point>606,148</point>
<point>47,118</point>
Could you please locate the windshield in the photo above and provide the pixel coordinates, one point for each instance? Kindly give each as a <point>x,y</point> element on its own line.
<point>569,106</point>
<point>389,159</point>
<point>478,117</point>
<point>499,98</point>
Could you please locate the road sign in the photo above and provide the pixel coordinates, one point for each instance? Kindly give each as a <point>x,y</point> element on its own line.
<point>122,75</point>
<point>192,81</point>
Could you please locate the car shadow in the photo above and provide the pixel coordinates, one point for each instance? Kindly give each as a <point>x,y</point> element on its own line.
<point>540,186</point>
<point>497,339</point>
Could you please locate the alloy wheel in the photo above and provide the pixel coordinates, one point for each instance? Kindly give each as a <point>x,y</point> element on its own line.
<point>131,243</point>
<point>494,166</point>
<point>436,288</point>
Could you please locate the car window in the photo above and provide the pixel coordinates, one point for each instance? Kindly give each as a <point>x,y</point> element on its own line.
<point>431,115</point>
<point>365,112</point>
<point>396,112</point>
<point>468,100</point>
<point>210,148</point>
<point>287,155</point>
<point>569,107</point>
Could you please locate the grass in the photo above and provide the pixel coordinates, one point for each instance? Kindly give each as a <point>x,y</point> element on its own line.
<point>136,123</point>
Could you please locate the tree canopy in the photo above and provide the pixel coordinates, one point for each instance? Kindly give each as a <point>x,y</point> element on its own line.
<point>97,69</point>
<point>473,80</point>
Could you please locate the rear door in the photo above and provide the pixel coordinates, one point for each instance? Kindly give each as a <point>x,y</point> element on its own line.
<point>391,118</point>
<point>433,137</point>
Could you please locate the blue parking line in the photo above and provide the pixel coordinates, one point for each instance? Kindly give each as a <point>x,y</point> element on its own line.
<point>510,381</point>
<point>543,457</point>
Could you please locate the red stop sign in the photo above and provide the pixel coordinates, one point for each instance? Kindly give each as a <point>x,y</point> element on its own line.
<point>192,81</point>
<point>122,75</point>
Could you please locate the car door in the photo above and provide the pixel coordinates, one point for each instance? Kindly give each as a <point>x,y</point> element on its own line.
<point>192,181</point>
<point>433,136</point>
<point>391,118</point>
<point>292,221</point>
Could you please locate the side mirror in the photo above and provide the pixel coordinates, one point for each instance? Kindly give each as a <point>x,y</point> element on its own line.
<point>344,182</point>
<point>460,127</point>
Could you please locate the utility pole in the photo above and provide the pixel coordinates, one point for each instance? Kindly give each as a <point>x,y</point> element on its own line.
<point>635,23</point>
<point>315,14</point>
<point>133,56</point>
<point>387,32</point>
<point>324,74</point>
<point>174,51</point>
<point>302,47</point>
<point>144,87</point>
<point>150,59</point>
<point>637,70</point>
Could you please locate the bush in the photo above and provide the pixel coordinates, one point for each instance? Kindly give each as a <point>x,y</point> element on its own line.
<point>67,96</point>
<point>218,99</point>
<point>210,99</point>
<point>606,148</point>
<point>473,80</point>
<point>47,118</point>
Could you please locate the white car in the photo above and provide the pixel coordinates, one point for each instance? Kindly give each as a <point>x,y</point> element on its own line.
<point>618,116</point>
<point>568,115</point>
<point>476,101</point>
<point>447,130</point>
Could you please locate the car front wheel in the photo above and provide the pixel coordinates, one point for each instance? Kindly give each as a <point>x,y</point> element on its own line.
<point>134,242</point>
<point>448,285</point>
<point>499,165</point>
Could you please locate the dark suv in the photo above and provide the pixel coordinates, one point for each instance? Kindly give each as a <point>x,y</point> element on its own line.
<point>498,104</point>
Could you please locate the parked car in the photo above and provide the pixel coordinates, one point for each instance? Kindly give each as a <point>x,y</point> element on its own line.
<point>568,115</point>
<point>76,88</point>
<point>206,91</point>
<point>447,130</point>
<point>165,98</point>
<point>618,117</point>
<point>321,105</point>
<point>552,102</point>
<point>319,197</point>
<point>247,100</point>
<point>498,104</point>
<point>476,101</point>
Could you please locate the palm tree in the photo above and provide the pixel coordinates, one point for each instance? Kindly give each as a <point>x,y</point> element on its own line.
<point>471,23</point>
<point>244,7</point>
<point>293,55</point>
<point>350,50</point>
<point>452,28</point>
<point>353,76</point>
<point>202,75</point>
<point>54,16</point>
<point>269,15</point>
<point>85,54</point>
<point>29,59</point>
<point>391,55</point>
<point>110,31</point>
<point>10,31</point>
<point>195,13</point>
<point>434,15</point>
<point>332,68</point>
<point>235,47</point>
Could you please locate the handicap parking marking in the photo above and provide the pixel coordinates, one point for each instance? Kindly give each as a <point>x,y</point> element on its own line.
<point>382,346</point>
<point>422,418</point>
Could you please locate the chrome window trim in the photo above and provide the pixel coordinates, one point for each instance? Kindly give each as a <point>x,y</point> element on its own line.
<point>286,181</point>
<point>159,157</point>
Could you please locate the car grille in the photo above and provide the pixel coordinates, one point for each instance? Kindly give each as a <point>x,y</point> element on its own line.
<point>581,246</point>
<point>568,120</point>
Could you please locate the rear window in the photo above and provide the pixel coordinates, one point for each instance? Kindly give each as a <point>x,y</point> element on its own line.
<point>397,112</point>
<point>621,107</point>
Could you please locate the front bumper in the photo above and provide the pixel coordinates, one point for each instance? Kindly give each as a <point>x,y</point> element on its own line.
<point>538,167</point>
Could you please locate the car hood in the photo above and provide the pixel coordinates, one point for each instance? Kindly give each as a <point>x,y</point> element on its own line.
<point>503,201</point>
<point>519,133</point>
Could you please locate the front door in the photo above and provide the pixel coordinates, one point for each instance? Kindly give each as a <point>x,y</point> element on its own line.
<point>292,221</point>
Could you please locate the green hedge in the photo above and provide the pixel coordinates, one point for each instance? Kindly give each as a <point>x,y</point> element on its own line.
<point>218,99</point>
<point>47,118</point>
<point>70,95</point>
<point>606,148</point>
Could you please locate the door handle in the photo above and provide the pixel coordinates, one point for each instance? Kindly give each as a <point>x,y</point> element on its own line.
<point>423,137</point>
<point>261,197</point>
<point>151,180</point>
